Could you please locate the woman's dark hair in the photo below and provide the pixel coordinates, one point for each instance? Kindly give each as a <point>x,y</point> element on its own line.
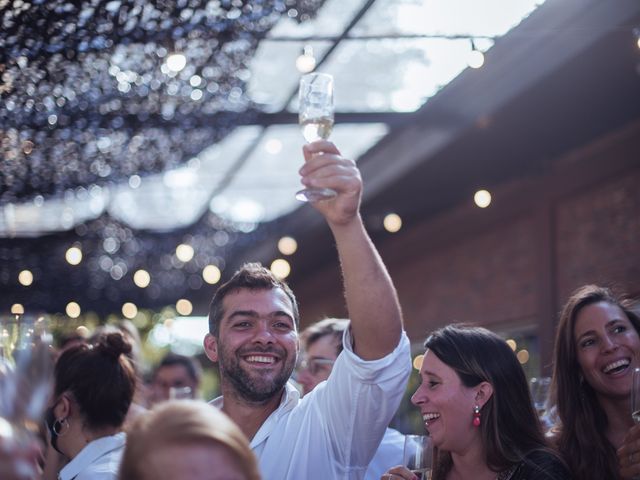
<point>580,434</point>
<point>510,427</point>
<point>100,378</point>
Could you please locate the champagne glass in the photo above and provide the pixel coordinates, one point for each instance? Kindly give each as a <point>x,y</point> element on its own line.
<point>540,394</point>
<point>180,393</point>
<point>418,455</point>
<point>26,371</point>
<point>635,396</point>
<point>315,116</point>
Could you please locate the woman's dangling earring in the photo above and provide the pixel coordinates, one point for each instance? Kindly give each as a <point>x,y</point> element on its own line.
<point>476,416</point>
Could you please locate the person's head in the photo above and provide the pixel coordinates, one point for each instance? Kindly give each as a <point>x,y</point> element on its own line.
<point>597,346</point>
<point>468,373</point>
<point>93,385</point>
<point>185,439</point>
<point>322,343</point>
<point>596,349</point>
<point>253,333</point>
<point>175,371</point>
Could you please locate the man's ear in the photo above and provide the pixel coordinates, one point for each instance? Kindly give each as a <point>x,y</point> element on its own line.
<point>484,393</point>
<point>211,347</point>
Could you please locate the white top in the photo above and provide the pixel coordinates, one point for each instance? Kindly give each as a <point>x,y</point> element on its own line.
<point>99,460</point>
<point>389,454</point>
<point>334,431</point>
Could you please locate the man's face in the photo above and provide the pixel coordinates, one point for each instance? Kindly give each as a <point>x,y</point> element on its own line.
<point>257,345</point>
<point>318,362</point>
<point>171,376</point>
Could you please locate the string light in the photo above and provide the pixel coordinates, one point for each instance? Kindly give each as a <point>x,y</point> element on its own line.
<point>25,277</point>
<point>280,268</point>
<point>306,62</point>
<point>482,198</point>
<point>475,59</point>
<point>176,62</point>
<point>142,278</point>
<point>184,252</point>
<point>392,222</point>
<point>184,307</point>
<point>211,274</point>
<point>73,255</point>
<point>73,310</point>
<point>287,245</point>
<point>129,310</point>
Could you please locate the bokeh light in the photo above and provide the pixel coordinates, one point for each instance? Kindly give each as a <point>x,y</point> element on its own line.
<point>129,310</point>
<point>73,255</point>
<point>142,278</point>
<point>184,252</point>
<point>280,268</point>
<point>25,277</point>
<point>287,245</point>
<point>482,198</point>
<point>392,222</point>
<point>184,307</point>
<point>211,274</point>
<point>73,310</point>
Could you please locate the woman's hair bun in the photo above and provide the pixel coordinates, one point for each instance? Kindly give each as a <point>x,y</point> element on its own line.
<point>113,344</point>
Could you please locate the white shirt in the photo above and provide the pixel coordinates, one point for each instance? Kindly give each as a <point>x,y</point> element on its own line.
<point>99,460</point>
<point>334,431</point>
<point>389,454</point>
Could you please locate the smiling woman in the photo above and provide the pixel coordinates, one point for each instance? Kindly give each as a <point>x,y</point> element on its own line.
<point>471,381</point>
<point>597,347</point>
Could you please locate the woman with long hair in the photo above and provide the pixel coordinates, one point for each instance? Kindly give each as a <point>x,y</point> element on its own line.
<point>475,402</point>
<point>597,347</point>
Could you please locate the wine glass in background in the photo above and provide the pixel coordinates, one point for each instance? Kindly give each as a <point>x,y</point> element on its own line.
<point>26,375</point>
<point>315,116</point>
<point>180,393</point>
<point>635,396</point>
<point>540,394</point>
<point>418,455</point>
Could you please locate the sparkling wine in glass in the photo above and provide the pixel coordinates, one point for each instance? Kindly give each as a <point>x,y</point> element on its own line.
<point>418,455</point>
<point>635,396</point>
<point>315,116</point>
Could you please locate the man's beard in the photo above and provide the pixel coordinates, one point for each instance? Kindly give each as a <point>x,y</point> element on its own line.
<point>249,385</point>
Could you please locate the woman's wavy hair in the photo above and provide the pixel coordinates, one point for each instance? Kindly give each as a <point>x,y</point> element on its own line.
<point>184,422</point>
<point>580,432</point>
<point>510,427</point>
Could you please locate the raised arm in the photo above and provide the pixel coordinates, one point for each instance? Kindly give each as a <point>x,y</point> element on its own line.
<point>376,320</point>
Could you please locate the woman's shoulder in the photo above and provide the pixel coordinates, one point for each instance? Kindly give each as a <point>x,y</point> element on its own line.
<point>542,465</point>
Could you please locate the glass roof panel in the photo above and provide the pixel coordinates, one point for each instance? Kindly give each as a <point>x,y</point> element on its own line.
<point>265,186</point>
<point>274,75</point>
<point>180,196</point>
<point>331,20</point>
<point>444,17</point>
<point>393,75</point>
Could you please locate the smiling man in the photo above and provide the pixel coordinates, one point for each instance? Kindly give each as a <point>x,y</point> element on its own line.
<point>253,322</point>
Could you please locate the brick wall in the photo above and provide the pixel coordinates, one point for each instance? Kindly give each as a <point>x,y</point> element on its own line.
<point>514,264</point>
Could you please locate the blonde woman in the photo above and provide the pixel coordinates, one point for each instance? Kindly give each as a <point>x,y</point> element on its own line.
<point>187,439</point>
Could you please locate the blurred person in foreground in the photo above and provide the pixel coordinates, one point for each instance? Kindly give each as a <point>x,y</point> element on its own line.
<point>475,402</point>
<point>253,325</point>
<point>175,374</point>
<point>93,389</point>
<point>597,348</point>
<point>184,440</point>
<point>322,344</point>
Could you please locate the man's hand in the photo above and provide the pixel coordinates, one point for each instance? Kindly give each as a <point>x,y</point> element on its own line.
<point>325,168</point>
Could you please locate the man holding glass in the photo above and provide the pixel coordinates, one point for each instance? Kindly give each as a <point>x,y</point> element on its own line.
<point>253,322</point>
